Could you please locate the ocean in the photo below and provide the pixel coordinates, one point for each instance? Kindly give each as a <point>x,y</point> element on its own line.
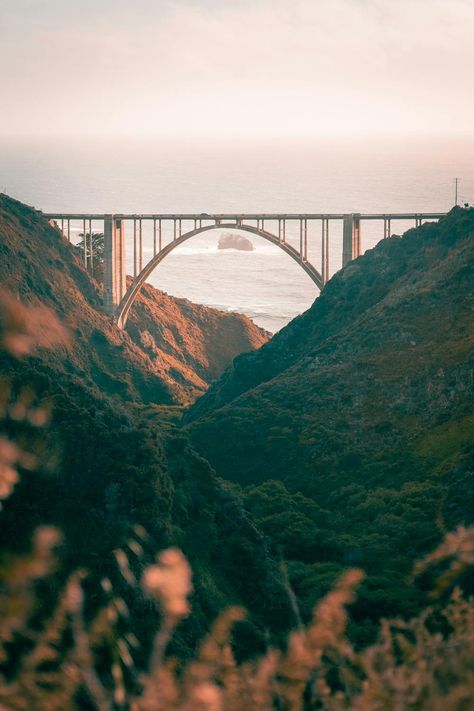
<point>206,176</point>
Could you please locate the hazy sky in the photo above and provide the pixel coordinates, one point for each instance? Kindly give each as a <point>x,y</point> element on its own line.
<point>236,66</point>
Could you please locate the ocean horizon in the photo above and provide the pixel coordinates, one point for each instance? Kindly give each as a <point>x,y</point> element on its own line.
<point>202,175</point>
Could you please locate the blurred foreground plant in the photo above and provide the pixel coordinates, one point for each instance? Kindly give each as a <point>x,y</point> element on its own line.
<point>409,667</point>
<point>23,330</point>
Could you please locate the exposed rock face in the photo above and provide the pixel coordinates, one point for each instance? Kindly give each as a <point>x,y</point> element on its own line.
<point>364,405</point>
<point>169,357</point>
<point>231,240</point>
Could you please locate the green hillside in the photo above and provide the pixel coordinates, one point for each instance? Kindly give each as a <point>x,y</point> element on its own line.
<point>351,431</point>
<point>111,458</point>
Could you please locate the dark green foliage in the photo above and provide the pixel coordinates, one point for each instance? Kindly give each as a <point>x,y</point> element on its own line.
<point>351,431</point>
<point>94,244</point>
<point>113,458</point>
<point>113,469</point>
<point>347,439</point>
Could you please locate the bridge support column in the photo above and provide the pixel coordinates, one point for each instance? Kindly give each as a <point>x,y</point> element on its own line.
<point>115,282</point>
<point>351,247</point>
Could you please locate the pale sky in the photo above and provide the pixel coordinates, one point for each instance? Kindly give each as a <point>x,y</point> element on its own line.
<point>219,67</point>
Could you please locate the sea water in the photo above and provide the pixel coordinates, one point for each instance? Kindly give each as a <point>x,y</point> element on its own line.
<point>154,175</point>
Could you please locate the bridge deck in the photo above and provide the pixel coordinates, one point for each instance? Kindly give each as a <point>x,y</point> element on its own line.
<point>244,216</point>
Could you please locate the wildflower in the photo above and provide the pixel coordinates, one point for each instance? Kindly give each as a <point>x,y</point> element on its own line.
<point>456,552</point>
<point>8,479</point>
<point>207,696</point>
<point>9,455</point>
<point>45,539</point>
<point>124,566</point>
<point>12,457</point>
<point>169,582</point>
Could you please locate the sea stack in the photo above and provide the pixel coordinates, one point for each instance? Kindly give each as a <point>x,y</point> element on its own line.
<point>229,240</point>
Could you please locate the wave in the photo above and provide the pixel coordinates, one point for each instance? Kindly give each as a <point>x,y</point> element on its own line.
<point>253,312</point>
<point>191,250</point>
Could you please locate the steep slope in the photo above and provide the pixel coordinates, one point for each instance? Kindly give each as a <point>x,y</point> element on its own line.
<point>193,344</point>
<point>107,462</point>
<point>169,358</point>
<point>363,410</point>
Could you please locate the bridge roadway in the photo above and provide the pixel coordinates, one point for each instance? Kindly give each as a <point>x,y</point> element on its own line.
<point>245,216</point>
<point>118,298</point>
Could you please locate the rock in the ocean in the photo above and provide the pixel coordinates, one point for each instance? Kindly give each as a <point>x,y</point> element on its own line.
<point>229,240</point>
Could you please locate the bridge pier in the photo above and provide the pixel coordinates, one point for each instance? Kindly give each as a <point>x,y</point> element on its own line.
<point>325,250</point>
<point>115,275</point>
<point>351,246</point>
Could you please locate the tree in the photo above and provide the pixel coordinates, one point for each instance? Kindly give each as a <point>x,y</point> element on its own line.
<point>97,240</point>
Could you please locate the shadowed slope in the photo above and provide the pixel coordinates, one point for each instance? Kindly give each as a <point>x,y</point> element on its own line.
<point>364,405</point>
<point>107,462</point>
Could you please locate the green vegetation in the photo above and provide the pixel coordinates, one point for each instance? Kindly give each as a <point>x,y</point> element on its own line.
<point>350,434</point>
<point>109,468</point>
<point>345,442</point>
<point>112,457</point>
<point>94,244</point>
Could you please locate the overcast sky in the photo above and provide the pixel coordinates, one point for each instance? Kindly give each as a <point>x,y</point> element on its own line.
<point>236,66</point>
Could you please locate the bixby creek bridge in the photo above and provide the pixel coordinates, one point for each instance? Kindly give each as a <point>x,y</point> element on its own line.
<point>151,237</point>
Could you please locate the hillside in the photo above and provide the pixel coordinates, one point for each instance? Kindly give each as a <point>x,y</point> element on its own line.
<point>192,344</point>
<point>111,459</point>
<point>176,348</point>
<point>346,440</point>
<point>351,431</point>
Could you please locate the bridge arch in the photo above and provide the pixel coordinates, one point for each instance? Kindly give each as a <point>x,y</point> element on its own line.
<point>132,292</point>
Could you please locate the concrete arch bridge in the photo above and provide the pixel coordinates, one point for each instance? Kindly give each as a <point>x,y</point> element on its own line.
<point>303,237</point>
